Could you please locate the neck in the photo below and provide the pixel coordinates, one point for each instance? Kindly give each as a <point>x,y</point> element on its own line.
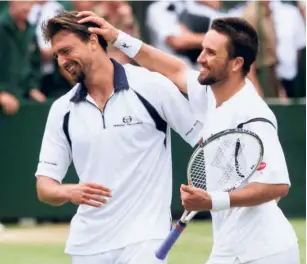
<point>100,81</point>
<point>21,24</point>
<point>227,88</point>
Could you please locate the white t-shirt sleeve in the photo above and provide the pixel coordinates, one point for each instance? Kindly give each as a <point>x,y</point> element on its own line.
<point>55,154</point>
<point>198,95</point>
<point>177,112</point>
<point>167,100</point>
<point>275,169</point>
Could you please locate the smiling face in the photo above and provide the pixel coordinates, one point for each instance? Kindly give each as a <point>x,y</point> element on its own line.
<point>214,60</point>
<point>74,55</point>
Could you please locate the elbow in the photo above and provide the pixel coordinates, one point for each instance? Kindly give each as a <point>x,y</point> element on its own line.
<point>41,197</point>
<point>47,191</point>
<point>284,190</point>
<point>45,200</point>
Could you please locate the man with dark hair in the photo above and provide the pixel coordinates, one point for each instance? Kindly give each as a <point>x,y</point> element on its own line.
<point>115,126</point>
<point>248,226</point>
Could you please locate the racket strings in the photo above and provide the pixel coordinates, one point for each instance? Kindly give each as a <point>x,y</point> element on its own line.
<point>198,171</point>
<point>232,166</point>
<point>228,160</point>
<point>225,158</point>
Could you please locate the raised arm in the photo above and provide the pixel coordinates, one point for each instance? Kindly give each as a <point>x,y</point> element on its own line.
<point>168,65</point>
<point>147,56</point>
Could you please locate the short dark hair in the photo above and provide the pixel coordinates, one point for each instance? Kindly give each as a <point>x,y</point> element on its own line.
<point>69,21</point>
<point>243,39</point>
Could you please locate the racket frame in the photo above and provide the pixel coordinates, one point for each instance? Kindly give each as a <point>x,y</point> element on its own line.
<point>167,244</point>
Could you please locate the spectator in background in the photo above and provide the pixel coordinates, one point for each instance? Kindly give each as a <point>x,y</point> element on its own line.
<point>263,72</point>
<point>302,6</point>
<point>291,40</point>
<point>168,33</point>
<point>53,84</point>
<point>178,27</point>
<point>120,14</point>
<point>20,58</point>
<point>197,17</point>
<point>83,5</point>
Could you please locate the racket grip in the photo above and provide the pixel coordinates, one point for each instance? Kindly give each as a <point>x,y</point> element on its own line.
<point>170,240</point>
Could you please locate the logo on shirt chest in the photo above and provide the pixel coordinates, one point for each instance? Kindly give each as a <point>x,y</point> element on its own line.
<point>128,121</point>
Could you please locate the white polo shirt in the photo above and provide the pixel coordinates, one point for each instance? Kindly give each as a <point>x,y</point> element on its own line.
<point>127,148</point>
<point>245,233</point>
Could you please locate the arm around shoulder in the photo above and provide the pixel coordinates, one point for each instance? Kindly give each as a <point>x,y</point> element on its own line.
<point>147,56</point>
<point>153,59</point>
<point>168,65</point>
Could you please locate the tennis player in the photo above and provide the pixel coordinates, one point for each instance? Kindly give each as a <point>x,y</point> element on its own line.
<point>248,226</point>
<point>115,127</point>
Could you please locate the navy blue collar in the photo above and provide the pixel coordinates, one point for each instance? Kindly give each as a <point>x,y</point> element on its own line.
<point>120,83</point>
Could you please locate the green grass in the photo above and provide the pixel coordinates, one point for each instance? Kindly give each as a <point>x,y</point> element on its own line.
<point>196,242</point>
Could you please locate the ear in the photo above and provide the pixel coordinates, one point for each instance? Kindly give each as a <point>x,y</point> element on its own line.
<point>237,64</point>
<point>94,40</point>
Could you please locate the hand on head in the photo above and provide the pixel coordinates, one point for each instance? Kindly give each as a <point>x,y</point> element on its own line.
<point>105,29</point>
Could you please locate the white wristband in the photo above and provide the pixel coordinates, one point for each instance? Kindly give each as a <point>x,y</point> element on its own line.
<point>220,200</point>
<point>128,44</point>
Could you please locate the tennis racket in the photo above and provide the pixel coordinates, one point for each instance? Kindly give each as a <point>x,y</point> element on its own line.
<point>221,163</point>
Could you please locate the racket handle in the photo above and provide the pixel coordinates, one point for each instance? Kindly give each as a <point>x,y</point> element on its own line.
<point>170,240</point>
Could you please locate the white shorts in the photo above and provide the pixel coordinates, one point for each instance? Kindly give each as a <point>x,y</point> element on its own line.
<point>290,256</point>
<point>139,253</point>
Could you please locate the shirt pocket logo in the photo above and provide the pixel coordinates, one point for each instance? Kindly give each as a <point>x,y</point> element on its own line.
<point>127,119</point>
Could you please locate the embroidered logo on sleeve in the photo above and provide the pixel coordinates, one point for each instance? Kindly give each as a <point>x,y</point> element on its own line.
<point>48,162</point>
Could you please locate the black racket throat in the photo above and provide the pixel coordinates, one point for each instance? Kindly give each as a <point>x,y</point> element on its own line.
<point>182,224</point>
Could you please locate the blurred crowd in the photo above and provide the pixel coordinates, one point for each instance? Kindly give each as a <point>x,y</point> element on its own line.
<point>28,70</point>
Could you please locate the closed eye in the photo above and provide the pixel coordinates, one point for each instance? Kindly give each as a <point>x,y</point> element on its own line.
<point>63,51</point>
<point>211,52</point>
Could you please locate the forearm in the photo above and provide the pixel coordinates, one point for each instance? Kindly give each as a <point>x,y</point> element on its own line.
<point>153,59</point>
<point>148,57</point>
<point>179,43</point>
<point>166,64</point>
<point>257,193</point>
<point>51,192</point>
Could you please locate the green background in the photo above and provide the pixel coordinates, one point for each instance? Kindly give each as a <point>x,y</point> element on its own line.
<point>21,135</point>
